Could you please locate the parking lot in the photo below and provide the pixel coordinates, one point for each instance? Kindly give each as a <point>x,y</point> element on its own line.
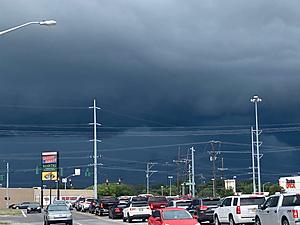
<point>79,219</point>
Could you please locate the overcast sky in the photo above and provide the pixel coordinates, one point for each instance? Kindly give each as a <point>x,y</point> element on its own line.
<point>151,63</point>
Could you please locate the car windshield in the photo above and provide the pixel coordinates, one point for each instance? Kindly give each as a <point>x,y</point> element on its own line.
<point>252,201</point>
<point>33,205</point>
<point>139,204</point>
<point>183,203</point>
<point>209,202</point>
<point>158,199</point>
<point>176,215</point>
<point>58,207</point>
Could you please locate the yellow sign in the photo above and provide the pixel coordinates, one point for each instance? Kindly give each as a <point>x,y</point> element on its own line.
<point>49,175</point>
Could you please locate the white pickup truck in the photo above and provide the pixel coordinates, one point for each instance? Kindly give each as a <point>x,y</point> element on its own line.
<point>279,209</point>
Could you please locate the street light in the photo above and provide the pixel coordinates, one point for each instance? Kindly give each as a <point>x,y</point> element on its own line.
<point>265,184</point>
<point>43,23</point>
<point>65,180</point>
<point>170,177</point>
<point>255,99</point>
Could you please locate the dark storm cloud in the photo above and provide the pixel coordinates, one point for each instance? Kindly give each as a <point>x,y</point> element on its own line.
<point>208,56</point>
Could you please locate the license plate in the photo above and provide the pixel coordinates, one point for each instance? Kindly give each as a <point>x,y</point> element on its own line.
<point>252,210</point>
<point>140,210</point>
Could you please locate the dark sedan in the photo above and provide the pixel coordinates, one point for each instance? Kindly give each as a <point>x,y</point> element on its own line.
<point>116,211</point>
<point>34,207</point>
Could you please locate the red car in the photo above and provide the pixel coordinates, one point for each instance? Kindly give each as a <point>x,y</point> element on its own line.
<point>171,216</point>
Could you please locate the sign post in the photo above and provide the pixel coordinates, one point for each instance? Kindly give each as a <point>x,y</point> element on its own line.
<point>50,170</point>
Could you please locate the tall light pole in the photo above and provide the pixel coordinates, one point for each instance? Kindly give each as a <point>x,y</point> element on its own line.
<point>170,178</point>
<point>43,23</point>
<point>255,99</point>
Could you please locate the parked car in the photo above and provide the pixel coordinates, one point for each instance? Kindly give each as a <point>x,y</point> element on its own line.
<point>136,210</point>
<point>279,209</point>
<point>204,209</point>
<point>157,202</point>
<point>238,209</point>
<point>93,205</point>
<point>34,207</point>
<point>23,205</point>
<point>116,211</point>
<point>85,205</point>
<point>172,216</point>
<point>105,203</point>
<point>78,202</point>
<point>184,204</point>
<point>58,213</point>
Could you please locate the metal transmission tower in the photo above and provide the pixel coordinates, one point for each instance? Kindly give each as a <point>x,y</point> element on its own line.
<point>213,157</point>
<point>257,132</point>
<point>193,171</point>
<point>149,173</point>
<point>95,140</point>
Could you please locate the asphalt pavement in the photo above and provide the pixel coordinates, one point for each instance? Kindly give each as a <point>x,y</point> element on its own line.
<point>78,219</point>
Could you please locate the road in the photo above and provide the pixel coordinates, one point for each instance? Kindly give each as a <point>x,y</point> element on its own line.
<point>78,219</point>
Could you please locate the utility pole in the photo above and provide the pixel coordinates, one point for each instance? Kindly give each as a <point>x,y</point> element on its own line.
<point>222,169</point>
<point>193,171</point>
<point>253,162</point>
<point>149,173</point>
<point>7,184</point>
<point>95,124</point>
<point>190,179</point>
<point>213,158</point>
<point>256,100</point>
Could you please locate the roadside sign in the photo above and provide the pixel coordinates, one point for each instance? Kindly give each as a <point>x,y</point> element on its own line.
<point>64,180</point>
<point>50,166</point>
<point>77,172</point>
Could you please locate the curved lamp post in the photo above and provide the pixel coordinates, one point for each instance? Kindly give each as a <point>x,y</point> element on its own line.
<point>43,23</point>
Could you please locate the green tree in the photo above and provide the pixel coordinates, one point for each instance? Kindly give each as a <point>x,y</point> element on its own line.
<point>114,189</point>
<point>275,188</point>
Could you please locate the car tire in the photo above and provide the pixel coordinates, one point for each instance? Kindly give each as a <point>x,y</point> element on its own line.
<point>129,219</point>
<point>285,222</point>
<point>257,221</point>
<point>231,221</point>
<point>124,219</point>
<point>216,220</point>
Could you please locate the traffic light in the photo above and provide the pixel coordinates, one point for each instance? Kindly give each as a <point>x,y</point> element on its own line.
<point>87,173</point>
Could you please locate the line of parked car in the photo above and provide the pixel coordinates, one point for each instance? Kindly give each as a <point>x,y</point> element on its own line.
<point>155,209</point>
<point>278,209</point>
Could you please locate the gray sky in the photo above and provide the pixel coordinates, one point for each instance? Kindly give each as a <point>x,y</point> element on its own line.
<point>152,63</point>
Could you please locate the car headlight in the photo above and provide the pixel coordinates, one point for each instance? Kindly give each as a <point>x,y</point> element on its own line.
<point>28,208</point>
<point>38,207</point>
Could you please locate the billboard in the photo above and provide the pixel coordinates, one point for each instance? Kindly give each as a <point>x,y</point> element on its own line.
<point>290,184</point>
<point>50,166</point>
